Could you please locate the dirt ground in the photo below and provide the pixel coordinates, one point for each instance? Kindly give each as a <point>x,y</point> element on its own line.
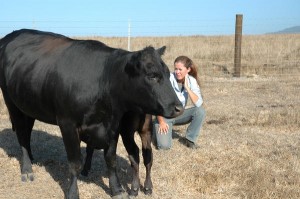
<point>249,148</point>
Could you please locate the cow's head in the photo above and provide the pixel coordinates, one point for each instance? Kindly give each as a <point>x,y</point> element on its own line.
<point>148,86</point>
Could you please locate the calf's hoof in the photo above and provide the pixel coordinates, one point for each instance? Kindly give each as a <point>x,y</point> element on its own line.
<point>147,191</point>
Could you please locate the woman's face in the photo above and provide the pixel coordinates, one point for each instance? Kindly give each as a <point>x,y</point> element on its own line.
<point>180,71</point>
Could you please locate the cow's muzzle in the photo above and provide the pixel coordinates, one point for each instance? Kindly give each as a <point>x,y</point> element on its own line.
<point>178,110</point>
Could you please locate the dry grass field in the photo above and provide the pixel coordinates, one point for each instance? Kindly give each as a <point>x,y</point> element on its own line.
<point>249,144</point>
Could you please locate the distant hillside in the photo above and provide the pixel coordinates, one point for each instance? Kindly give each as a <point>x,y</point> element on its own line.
<point>291,30</point>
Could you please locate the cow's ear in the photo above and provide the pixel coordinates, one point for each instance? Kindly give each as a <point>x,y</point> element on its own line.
<point>161,50</point>
<point>132,67</point>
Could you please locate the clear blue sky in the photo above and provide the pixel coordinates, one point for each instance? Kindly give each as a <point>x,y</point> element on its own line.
<point>148,17</point>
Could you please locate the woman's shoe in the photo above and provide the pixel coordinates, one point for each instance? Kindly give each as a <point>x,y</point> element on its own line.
<point>191,144</point>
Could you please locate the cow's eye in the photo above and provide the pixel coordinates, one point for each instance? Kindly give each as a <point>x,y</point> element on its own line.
<point>153,77</point>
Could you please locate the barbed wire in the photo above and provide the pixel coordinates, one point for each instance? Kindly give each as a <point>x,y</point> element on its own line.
<point>164,27</point>
<point>212,67</point>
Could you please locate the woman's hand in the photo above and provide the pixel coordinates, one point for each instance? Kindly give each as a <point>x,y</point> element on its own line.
<point>163,127</point>
<point>194,98</point>
<point>186,82</point>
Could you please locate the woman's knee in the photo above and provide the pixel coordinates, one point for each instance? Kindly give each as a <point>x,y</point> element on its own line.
<point>200,112</point>
<point>163,141</point>
<point>164,146</point>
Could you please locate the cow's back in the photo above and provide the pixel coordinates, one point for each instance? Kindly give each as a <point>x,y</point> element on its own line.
<point>42,71</point>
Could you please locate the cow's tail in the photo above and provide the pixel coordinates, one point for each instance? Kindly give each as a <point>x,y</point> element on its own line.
<point>3,43</point>
<point>1,64</point>
<point>2,46</point>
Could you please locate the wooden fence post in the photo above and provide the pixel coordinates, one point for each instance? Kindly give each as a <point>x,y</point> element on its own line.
<point>238,45</point>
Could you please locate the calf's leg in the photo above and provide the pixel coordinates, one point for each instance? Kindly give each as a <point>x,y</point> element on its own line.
<point>146,137</point>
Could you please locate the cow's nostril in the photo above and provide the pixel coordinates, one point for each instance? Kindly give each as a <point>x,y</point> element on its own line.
<point>178,110</point>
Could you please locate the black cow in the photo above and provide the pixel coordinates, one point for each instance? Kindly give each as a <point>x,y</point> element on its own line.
<point>84,87</point>
<point>130,123</point>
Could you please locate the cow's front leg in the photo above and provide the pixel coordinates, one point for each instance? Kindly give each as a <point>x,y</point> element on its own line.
<point>110,158</point>
<point>133,153</point>
<point>88,161</point>
<point>72,145</point>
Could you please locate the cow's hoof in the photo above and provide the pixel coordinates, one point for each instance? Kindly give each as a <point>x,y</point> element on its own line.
<point>123,195</point>
<point>27,177</point>
<point>133,192</point>
<point>147,191</point>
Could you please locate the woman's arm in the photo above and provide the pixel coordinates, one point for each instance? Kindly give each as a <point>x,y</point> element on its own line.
<point>193,96</point>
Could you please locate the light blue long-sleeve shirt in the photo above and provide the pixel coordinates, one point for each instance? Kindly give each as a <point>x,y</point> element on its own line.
<point>182,94</point>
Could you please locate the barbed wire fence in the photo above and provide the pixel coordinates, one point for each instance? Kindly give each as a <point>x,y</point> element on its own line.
<point>268,55</point>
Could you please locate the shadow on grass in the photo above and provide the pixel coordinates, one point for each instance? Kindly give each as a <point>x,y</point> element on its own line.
<point>49,152</point>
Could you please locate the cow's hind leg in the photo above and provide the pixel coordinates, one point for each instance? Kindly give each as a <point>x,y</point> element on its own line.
<point>22,124</point>
<point>23,129</point>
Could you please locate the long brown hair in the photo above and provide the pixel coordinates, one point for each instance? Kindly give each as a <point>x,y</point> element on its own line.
<point>188,63</point>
